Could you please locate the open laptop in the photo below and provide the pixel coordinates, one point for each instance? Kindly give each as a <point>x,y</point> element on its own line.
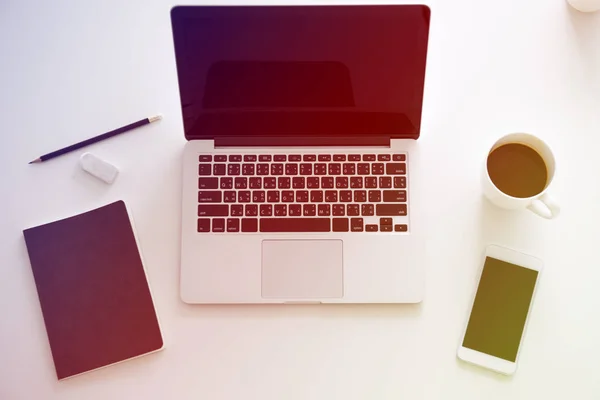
<point>302,125</point>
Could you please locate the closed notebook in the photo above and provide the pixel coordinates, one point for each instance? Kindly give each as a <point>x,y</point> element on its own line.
<point>93,290</point>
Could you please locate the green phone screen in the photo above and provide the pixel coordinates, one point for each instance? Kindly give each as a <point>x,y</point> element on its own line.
<point>500,309</point>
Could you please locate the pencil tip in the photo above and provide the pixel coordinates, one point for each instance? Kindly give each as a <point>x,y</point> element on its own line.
<point>37,160</point>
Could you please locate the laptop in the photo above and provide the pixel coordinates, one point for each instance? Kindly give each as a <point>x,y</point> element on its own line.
<point>301,167</point>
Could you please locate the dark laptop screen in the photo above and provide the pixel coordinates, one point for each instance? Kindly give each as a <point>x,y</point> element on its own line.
<point>277,71</point>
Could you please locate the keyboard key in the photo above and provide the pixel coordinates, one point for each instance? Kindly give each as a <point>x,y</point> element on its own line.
<point>204,169</point>
<point>305,169</point>
<point>316,196</point>
<point>331,196</point>
<point>400,182</point>
<point>279,157</point>
<point>356,224</point>
<point>320,169</point>
<point>389,209</point>
<point>340,224</point>
<point>309,210</point>
<point>371,228</point>
<point>356,182</point>
<point>264,157</point>
<point>377,169</point>
<point>354,157</point>
<point>386,221</point>
<point>395,169</point>
<point>233,169</point>
<point>262,169</point>
<point>345,196</point>
<point>370,182</point>
<point>339,210</point>
<point>255,183</point>
<point>244,196</point>
<point>341,182</point>
<point>374,196</point>
<point>385,182</point>
<point>291,169</point>
<point>298,182</point>
<point>249,225</point>
<point>208,183</point>
<point>280,210</point>
<point>249,157</point>
<point>394,196</point>
<point>220,158</point>
<point>312,182</point>
<point>384,157</point>
<point>327,182</point>
<point>258,196</point>
<point>335,169</point>
<point>237,210</point>
<point>219,169</point>
<point>360,196</point>
<point>233,225</point>
<point>368,157</point>
<point>229,196</point>
<point>386,228</point>
<point>218,224</point>
<point>251,210</point>
<point>203,224</point>
<point>226,183</point>
<point>295,210</point>
<point>270,182</point>
<point>352,210</point>
<point>294,157</point>
<point>324,210</point>
<point>339,157</point>
<point>235,158</point>
<point>247,169</point>
<point>276,169</point>
<point>367,210</point>
<point>399,157</point>
<point>401,228</point>
<point>295,225</point>
<point>309,157</point>
<point>324,157</point>
<point>273,196</point>
<point>363,169</point>
<point>205,158</point>
<point>301,196</point>
<point>213,210</point>
<point>284,182</point>
<point>241,183</point>
<point>209,196</point>
<point>266,210</point>
<point>349,169</point>
<point>287,196</point>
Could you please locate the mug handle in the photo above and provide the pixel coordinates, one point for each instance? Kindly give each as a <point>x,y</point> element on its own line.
<point>545,207</point>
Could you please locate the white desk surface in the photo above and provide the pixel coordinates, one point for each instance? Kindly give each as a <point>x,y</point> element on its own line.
<point>73,69</point>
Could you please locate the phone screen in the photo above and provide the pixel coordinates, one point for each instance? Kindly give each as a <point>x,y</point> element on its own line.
<point>500,309</point>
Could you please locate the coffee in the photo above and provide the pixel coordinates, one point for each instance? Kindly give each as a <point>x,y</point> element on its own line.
<point>517,170</point>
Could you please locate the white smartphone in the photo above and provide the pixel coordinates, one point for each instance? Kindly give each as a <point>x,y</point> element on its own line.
<point>500,309</point>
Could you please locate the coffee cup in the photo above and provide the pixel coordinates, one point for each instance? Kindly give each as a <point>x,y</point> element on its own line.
<point>519,170</point>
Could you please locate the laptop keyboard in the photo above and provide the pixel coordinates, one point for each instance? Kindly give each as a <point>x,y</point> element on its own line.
<point>302,193</point>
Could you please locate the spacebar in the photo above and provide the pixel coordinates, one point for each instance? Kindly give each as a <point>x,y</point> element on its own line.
<point>295,225</point>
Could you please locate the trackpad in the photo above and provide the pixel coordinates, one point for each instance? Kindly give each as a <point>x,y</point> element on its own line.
<point>302,269</point>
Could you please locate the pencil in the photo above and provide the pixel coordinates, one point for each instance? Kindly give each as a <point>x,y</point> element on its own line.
<point>96,139</point>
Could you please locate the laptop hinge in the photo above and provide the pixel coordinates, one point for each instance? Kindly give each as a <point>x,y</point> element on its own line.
<point>301,141</point>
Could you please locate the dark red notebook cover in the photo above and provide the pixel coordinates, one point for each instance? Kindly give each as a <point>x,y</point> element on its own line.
<point>93,290</point>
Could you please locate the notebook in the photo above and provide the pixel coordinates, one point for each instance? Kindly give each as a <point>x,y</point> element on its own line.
<point>93,290</point>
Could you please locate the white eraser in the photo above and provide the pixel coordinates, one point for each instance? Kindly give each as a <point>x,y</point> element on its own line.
<point>98,167</point>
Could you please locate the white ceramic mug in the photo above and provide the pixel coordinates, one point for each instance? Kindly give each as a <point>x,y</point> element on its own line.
<point>585,5</point>
<point>541,204</point>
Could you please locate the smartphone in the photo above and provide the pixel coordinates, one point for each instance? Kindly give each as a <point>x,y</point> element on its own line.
<point>500,309</point>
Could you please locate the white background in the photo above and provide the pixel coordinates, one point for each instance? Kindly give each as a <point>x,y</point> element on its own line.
<point>71,70</point>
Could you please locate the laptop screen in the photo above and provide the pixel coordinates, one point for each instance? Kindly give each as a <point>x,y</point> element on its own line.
<point>308,71</point>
